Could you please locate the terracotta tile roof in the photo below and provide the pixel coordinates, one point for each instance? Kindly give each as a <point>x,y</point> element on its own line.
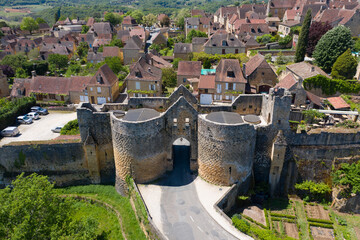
<point>338,102</point>
<point>79,83</point>
<point>189,68</point>
<point>314,99</point>
<point>305,70</point>
<point>226,11</point>
<point>98,42</point>
<point>141,70</point>
<point>287,82</point>
<point>328,15</point>
<point>250,41</point>
<point>51,85</point>
<point>157,61</point>
<point>291,14</point>
<point>104,76</point>
<point>199,40</point>
<point>102,28</point>
<point>229,65</point>
<point>346,15</point>
<point>123,35</point>
<point>128,20</point>
<point>139,31</point>
<point>217,39</point>
<point>258,61</point>
<point>207,82</point>
<point>233,18</point>
<point>90,22</point>
<point>282,3</point>
<point>111,52</point>
<point>196,12</point>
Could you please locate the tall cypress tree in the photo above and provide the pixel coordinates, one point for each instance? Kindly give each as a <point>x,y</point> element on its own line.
<point>303,38</point>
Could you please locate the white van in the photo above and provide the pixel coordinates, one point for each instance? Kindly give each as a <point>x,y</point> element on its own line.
<point>10,132</point>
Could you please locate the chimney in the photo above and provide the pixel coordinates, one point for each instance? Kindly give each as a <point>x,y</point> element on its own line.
<point>312,69</point>
<point>33,73</point>
<point>247,19</point>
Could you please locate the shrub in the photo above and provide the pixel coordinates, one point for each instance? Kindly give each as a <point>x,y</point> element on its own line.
<point>315,224</point>
<point>348,175</point>
<point>71,128</point>
<point>348,124</point>
<point>331,86</point>
<point>314,191</point>
<point>344,66</point>
<point>311,115</point>
<point>241,224</point>
<point>282,215</point>
<point>319,220</point>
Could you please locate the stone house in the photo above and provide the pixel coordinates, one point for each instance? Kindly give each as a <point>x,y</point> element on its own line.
<point>183,50</point>
<point>229,80</point>
<point>140,32</point>
<point>123,35</point>
<point>277,8</point>
<point>25,45</point>
<point>259,75</point>
<point>285,27</point>
<point>295,87</point>
<point>4,85</point>
<point>157,61</point>
<point>302,71</point>
<point>57,48</point>
<point>206,89</point>
<point>95,57</point>
<point>198,43</point>
<point>188,70</point>
<point>158,39</point>
<point>133,50</point>
<point>272,21</point>
<point>103,86</point>
<point>202,24</point>
<point>128,23</point>
<point>252,27</point>
<point>224,43</point>
<point>250,42</point>
<point>101,28</point>
<point>144,80</point>
<point>111,52</point>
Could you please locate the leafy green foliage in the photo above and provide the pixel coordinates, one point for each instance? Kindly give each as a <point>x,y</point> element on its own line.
<point>348,124</point>
<point>14,61</point>
<point>345,66</point>
<point>149,20</point>
<point>176,62</point>
<point>303,38</point>
<point>9,110</point>
<point>20,73</point>
<point>71,128</point>
<point>57,62</point>
<point>314,191</point>
<point>267,38</point>
<point>348,175</point>
<point>113,18</point>
<point>281,59</point>
<point>84,29</point>
<point>137,14</point>
<point>285,40</point>
<point>311,115</point>
<point>32,210</point>
<point>331,45</point>
<point>331,86</point>
<point>82,49</point>
<point>169,77</point>
<point>194,33</point>
<point>115,64</point>
<point>357,45</point>
<point>202,56</point>
<point>241,224</point>
<point>29,24</point>
<point>207,64</point>
<point>40,20</point>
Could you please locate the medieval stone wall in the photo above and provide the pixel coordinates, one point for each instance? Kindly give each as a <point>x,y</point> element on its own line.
<point>226,151</point>
<point>63,163</point>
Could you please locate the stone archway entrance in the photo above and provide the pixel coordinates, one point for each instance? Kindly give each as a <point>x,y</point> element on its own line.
<point>181,173</point>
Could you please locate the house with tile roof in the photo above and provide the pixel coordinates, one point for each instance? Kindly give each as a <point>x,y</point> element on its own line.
<point>229,80</point>
<point>303,70</point>
<point>202,24</point>
<point>277,8</point>
<point>128,23</point>
<point>206,89</point>
<point>144,79</point>
<point>198,43</point>
<point>188,70</point>
<point>291,83</point>
<point>338,103</point>
<point>157,61</point>
<point>132,50</point>
<point>4,85</point>
<point>183,50</point>
<point>259,74</point>
<point>224,43</point>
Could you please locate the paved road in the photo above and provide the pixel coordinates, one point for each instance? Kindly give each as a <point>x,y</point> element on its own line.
<point>182,215</point>
<point>41,129</point>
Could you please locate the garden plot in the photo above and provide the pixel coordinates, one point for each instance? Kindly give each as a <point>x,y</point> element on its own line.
<point>255,214</point>
<point>291,230</point>
<point>319,233</point>
<point>317,212</point>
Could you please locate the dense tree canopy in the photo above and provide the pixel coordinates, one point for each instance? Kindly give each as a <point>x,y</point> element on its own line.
<point>29,24</point>
<point>57,62</point>
<point>113,18</point>
<point>334,43</point>
<point>316,31</point>
<point>348,176</point>
<point>40,20</point>
<point>149,20</point>
<point>303,38</point>
<point>345,66</point>
<point>32,210</point>
<point>194,33</point>
<point>169,77</point>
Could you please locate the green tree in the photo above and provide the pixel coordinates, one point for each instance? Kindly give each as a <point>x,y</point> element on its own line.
<point>348,176</point>
<point>175,63</point>
<point>82,49</point>
<point>116,43</point>
<point>113,18</point>
<point>357,45</point>
<point>331,45</point>
<point>57,62</point>
<point>194,33</point>
<point>180,18</point>
<point>303,38</point>
<point>71,128</point>
<point>84,29</point>
<point>138,15</point>
<point>57,15</point>
<point>40,20</point>
<point>31,209</point>
<point>207,64</point>
<point>165,21</point>
<point>114,64</point>
<point>345,66</point>
<point>169,77</point>
<point>14,61</point>
<point>21,73</point>
<point>149,20</point>
<point>28,24</point>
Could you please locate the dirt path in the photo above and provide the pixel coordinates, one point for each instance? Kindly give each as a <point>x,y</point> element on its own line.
<point>291,230</point>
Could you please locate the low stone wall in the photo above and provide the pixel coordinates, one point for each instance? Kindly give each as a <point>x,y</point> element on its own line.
<point>63,163</point>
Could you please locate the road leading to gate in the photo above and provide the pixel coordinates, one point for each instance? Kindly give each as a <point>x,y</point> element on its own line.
<point>175,206</point>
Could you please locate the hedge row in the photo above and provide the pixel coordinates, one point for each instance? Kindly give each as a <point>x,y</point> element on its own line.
<point>253,221</point>
<point>331,86</point>
<point>267,218</point>
<point>10,110</point>
<point>283,220</point>
<point>282,215</point>
<point>323,225</point>
<point>319,220</point>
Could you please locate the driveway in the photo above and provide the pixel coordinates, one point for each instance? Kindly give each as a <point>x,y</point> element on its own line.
<point>175,206</point>
<point>41,129</point>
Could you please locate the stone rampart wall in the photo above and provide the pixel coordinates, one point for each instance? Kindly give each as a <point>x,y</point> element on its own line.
<point>225,152</point>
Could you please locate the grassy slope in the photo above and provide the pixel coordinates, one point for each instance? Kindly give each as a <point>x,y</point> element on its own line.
<point>109,195</point>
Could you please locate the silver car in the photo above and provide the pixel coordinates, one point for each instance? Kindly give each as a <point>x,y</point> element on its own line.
<point>10,132</point>
<point>24,119</point>
<point>57,129</point>
<point>33,115</point>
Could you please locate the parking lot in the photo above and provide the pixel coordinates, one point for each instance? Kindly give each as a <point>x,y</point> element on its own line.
<point>41,129</point>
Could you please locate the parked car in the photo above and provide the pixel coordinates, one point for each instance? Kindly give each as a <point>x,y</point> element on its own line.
<point>10,132</point>
<point>39,110</point>
<point>24,119</point>
<point>33,115</point>
<point>57,129</point>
